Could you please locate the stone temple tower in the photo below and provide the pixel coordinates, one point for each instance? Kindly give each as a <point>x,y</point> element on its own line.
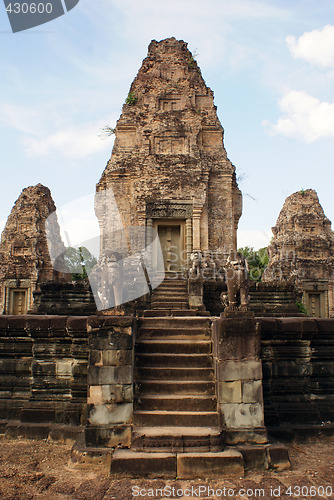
<point>169,169</point>
<point>302,252</point>
<point>25,261</point>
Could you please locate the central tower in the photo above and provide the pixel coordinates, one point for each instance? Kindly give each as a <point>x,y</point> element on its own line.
<point>169,169</point>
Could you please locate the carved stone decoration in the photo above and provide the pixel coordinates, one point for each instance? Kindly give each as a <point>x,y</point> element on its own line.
<point>237,280</point>
<point>168,159</point>
<point>24,255</point>
<point>302,252</point>
<point>195,270</point>
<point>169,210</point>
<point>202,265</point>
<point>108,273</point>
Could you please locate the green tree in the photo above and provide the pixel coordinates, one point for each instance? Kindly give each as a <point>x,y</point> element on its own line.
<point>257,261</point>
<point>79,262</point>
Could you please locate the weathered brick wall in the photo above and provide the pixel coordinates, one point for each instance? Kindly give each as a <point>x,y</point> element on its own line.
<point>46,364</point>
<point>110,381</point>
<point>298,371</point>
<point>238,373</point>
<point>43,370</point>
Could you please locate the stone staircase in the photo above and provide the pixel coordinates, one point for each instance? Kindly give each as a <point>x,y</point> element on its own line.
<point>176,430</point>
<point>174,377</point>
<point>170,294</point>
<point>170,298</point>
<point>276,300</point>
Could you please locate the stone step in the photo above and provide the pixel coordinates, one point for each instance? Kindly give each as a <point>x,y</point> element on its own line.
<point>216,465</point>
<point>177,387</point>
<point>267,300</point>
<point>176,418</point>
<point>175,333</point>
<point>272,296</point>
<point>177,439</point>
<point>173,276</point>
<point>187,322</point>
<point>290,308</point>
<point>180,304</point>
<point>127,463</point>
<point>178,403</point>
<point>172,373</point>
<point>170,300</point>
<point>170,293</point>
<point>174,346</point>
<point>171,289</point>
<point>175,360</point>
<point>173,284</point>
<point>174,313</point>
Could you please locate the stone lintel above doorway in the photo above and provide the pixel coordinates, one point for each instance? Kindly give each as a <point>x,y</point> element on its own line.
<point>169,209</point>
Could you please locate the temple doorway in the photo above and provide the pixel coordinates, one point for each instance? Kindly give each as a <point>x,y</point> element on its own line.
<point>172,240</point>
<point>18,302</point>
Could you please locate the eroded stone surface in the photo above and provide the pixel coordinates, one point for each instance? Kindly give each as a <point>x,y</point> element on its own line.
<point>24,256</point>
<point>169,160</point>
<point>302,251</point>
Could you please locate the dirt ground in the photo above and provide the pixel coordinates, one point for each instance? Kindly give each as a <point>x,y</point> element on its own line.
<point>43,470</point>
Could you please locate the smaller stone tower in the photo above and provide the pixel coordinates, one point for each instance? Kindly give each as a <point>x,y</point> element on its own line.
<point>24,256</point>
<point>302,252</point>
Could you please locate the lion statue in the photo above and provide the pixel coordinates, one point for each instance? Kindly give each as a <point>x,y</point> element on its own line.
<point>237,279</point>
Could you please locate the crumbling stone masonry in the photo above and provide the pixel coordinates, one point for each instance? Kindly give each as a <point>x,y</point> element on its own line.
<point>24,256</point>
<point>43,376</point>
<point>174,393</point>
<point>61,376</point>
<point>298,378</point>
<point>110,382</point>
<point>169,169</point>
<point>302,252</point>
<point>238,374</point>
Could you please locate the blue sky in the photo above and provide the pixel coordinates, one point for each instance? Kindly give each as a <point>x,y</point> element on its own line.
<point>269,63</point>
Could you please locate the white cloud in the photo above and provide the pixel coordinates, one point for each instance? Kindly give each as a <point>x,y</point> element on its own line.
<point>315,47</point>
<point>304,117</point>
<point>22,118</point>
<point>69,142</point>
<point>78,222</point>
<point>207,26</point>
<point>256,239</point>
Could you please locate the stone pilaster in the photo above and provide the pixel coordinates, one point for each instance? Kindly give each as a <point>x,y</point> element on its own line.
<point>238,372</point>
<point>195,292</point>
<point>197,212</point>
<point>110,382</point>
<point>188,240</point>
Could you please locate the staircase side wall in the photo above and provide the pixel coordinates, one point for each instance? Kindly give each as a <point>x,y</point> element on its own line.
<point>43,373</point>
<point>46,363</point>
<point>238,374</point>
<point>298,371</point>
<point>110,382</point>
